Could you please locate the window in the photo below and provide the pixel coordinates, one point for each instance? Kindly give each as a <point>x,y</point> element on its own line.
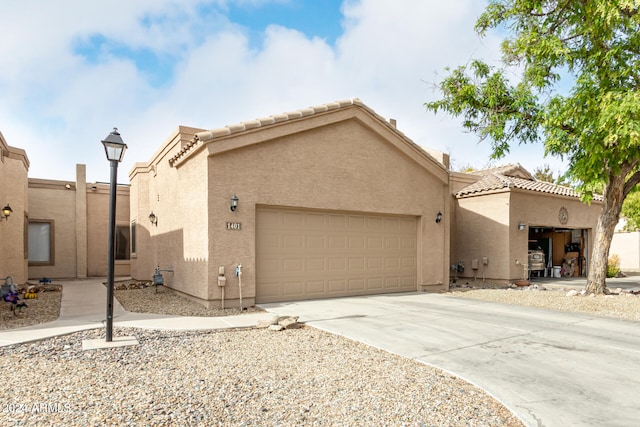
<point>122,242</point>
<point>133,237</point>
<point>41,242</point>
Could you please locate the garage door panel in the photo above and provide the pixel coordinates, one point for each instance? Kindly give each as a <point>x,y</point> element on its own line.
<point>315,265</point>
<point>392,263</point>
<point>339,285</point>
<point>374,284</point>
<point>337,264</point>
<point>407,281</point>
<point>375,242</point>
<point>356,285</point>
<point>337,242</point>
<point>292,265</point>
<point>356,242</point>
<point>357,264</point>
<point>408,243</point>
<point>312,254</point>
<point>292,290</point>
<point>293,242</point>
<point>315,287</point>
<point>356,223</point>
<point>315,242</point>
<point>391,282</point>
<point>293,219</point>
<point>408,263</point>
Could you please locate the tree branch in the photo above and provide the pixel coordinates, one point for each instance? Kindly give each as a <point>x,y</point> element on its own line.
<point>630,183</point>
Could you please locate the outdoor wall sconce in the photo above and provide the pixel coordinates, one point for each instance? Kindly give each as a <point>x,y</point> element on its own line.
<point>234,203</point>
<point>438,217</point>
<point>153,218</point>
<point>6,211</point>
<point>522,226</point>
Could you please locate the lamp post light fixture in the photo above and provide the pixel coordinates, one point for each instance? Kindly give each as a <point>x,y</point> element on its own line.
<point>153,219</point>
<point>114,148</point>
<point>6,211</point>
<point>438,217</point>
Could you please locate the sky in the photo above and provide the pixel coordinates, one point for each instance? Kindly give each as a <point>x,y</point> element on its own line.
<point>74,69</point>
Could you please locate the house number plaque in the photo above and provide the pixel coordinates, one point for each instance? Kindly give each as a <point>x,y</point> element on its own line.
<point>234,226</point>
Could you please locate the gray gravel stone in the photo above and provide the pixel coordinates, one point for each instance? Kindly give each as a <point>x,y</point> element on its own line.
<point>298,377</point>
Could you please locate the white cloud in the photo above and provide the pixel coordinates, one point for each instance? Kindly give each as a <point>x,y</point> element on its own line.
<point>388,55</point>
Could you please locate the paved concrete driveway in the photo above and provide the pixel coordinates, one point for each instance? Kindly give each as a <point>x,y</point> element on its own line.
<point>550,368</point>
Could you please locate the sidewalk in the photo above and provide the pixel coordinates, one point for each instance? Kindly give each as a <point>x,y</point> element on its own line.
<point>84,306</point>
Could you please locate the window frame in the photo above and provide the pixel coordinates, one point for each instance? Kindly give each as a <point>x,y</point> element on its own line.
<point>52,243</point>
<point>132,239</point>
<point>128,243</point>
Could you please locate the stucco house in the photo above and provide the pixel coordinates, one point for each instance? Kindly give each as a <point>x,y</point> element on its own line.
<point>326,201</point>
<point>57,229</point>
<point>332,201</point>
<point>499,214</point>
<point>14,167</point>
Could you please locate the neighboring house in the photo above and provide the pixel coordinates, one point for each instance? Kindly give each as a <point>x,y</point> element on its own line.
<point>57,229</point>
<point>14,166</point>
<point>332,201</point>
<point>499,214</point>
<point>68,228</point>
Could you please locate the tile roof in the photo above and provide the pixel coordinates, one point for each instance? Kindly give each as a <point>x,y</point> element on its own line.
<point>513,176</point>
<point>202,138</point>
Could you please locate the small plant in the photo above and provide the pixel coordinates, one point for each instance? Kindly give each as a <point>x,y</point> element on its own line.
<point>613,266</point>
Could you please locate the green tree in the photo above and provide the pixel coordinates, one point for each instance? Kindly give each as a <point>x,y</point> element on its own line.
<point>544,173</point>
<point>631,211</point>
<point>592,47</point>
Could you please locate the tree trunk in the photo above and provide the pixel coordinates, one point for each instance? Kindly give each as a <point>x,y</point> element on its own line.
<point>609,216</point>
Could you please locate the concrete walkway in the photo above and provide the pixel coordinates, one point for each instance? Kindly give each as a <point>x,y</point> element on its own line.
<point>550,368</point>
<point>84,306</point>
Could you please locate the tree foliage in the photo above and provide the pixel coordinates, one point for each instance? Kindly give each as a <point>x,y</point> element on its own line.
<point>544,173</point>
<point>631,211</point>
<point>570,78</point>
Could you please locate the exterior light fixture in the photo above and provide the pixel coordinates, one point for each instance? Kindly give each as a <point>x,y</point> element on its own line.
<point>438,217</point>
<point>521,226</point>
<point>114,148</point>
<point>6,211</point>
<point>234,203</point>
<point>153,218</point>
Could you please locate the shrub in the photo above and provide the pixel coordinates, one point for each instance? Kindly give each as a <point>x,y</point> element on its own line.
<point>613,266</point>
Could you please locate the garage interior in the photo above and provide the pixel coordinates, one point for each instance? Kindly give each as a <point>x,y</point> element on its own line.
<point>557,252</point>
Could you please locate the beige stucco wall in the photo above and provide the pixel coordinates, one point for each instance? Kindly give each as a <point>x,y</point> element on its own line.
<point>179,200</point>
<point>342,161</point>
<point>487,226</point>
<point>98,228</point>
<point>14,166</point>
<point>482,230</point>
<point>627,247</point>
<point>50,200</point>
<point>80,216</point>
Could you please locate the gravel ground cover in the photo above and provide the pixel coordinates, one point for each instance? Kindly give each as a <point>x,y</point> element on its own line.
<point>257,377</point>
<point>166,301</point>
<point>622,305</point>
<point>45,308</point>
<point>248,377</point>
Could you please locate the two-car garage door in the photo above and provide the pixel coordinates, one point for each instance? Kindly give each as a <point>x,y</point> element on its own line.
<point>306,254</point>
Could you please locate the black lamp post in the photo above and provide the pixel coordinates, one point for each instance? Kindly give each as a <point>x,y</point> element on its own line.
<point>114,147</point>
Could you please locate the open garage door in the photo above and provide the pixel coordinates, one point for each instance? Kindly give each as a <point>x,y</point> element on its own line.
<point>306,254</point>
